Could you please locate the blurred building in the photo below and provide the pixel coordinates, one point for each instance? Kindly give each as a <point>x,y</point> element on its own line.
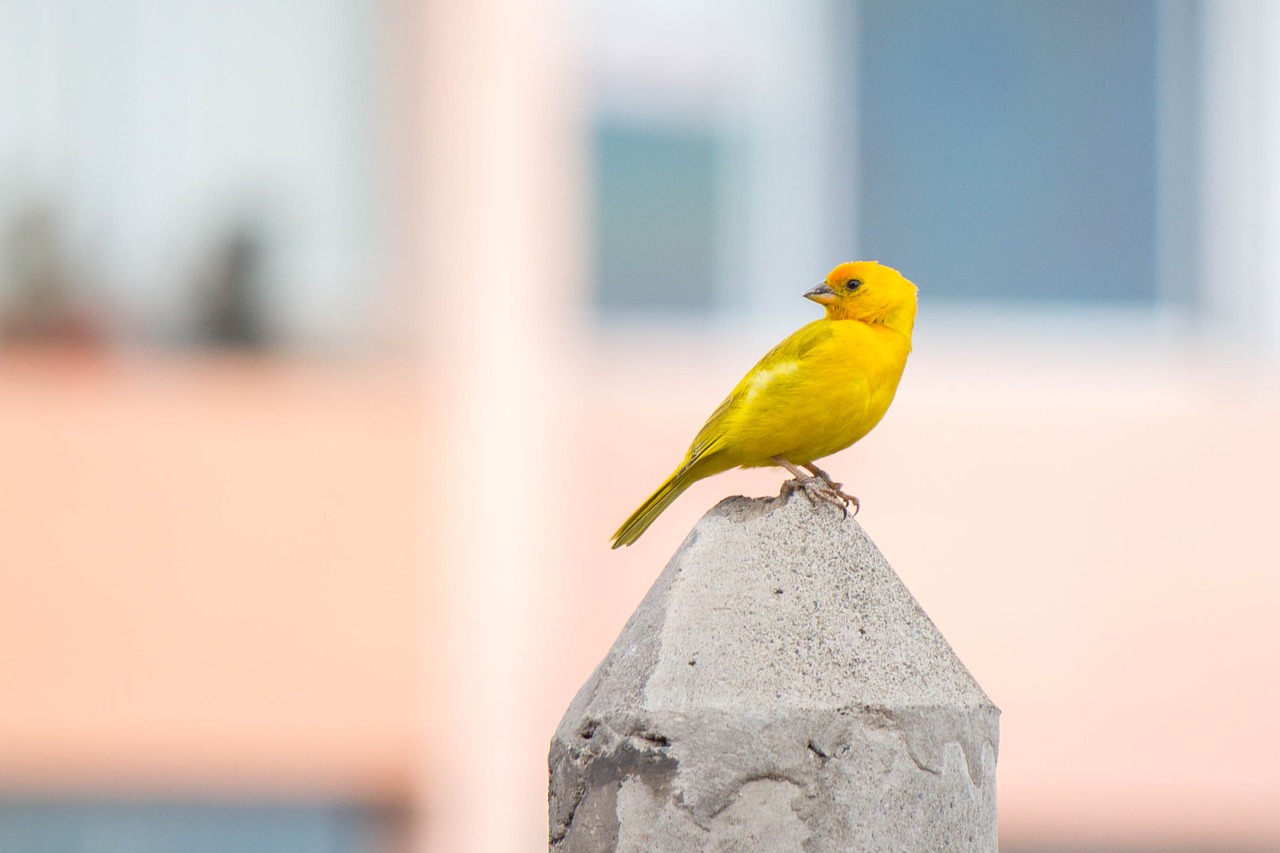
<point>272,587</point>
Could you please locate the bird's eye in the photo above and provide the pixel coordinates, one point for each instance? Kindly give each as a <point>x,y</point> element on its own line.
<point>852,284</point>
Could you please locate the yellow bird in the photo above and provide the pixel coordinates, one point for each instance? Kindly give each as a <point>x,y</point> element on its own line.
<point>817,392</point>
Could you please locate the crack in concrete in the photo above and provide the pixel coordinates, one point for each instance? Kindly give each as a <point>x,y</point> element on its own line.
<point>604,761</point>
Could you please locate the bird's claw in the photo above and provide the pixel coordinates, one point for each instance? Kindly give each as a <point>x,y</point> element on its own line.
<point>822,489</point>
<point>845,499</point>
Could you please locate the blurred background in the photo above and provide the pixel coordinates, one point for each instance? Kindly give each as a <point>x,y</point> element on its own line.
<point>336,337</point>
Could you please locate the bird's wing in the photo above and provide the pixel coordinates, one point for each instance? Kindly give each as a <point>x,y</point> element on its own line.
<point>779,361</point>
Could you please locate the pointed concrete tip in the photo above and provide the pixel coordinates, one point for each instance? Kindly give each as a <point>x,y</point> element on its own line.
<point>777,648</point>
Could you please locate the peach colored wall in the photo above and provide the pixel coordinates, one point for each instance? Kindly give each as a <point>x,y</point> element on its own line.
<point>214,573</point>
<point>208,570</point>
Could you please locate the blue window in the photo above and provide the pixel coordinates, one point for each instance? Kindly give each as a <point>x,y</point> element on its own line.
<point>655,217</point>
<point>174,827</point>
<point>1009,148</point>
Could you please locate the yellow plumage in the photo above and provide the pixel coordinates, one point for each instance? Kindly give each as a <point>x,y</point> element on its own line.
<point>817,392</point>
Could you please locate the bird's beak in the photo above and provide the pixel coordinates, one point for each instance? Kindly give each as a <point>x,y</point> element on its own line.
<point>822,294</point>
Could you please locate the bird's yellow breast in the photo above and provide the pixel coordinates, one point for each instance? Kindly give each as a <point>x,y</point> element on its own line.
<point>813,396</point>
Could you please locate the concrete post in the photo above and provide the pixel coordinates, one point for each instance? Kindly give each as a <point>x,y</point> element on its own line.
<point>778,689</point>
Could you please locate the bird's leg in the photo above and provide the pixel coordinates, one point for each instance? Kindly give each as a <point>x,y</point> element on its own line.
<point>816,488</point>
<point>818,472</point>
<point>795,472</point>
<point>835,487</point>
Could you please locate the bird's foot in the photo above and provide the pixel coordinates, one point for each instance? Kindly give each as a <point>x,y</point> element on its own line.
<point>846,499</point>
<point>820,488</point>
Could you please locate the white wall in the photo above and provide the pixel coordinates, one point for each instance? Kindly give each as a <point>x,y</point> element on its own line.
<point>154,126</point>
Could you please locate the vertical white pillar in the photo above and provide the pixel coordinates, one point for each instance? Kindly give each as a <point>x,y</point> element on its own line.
<point>499,258</point>
<point>1269,189</point>
<point>800,120</point>
<point>1240,273</point>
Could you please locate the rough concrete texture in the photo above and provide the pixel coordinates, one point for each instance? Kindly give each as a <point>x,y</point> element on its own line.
<point>777,689</point>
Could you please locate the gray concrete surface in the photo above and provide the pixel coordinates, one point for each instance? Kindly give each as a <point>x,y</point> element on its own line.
<point>778,689</point>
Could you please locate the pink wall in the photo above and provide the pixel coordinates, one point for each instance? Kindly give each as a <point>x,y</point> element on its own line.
<point>215,575</point>
<point>208,571</point>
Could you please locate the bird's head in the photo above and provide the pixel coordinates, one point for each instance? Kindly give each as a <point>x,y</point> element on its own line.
<point>870,292</point>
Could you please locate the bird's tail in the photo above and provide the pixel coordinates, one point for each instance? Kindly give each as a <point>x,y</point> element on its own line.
<point>683,477</point>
